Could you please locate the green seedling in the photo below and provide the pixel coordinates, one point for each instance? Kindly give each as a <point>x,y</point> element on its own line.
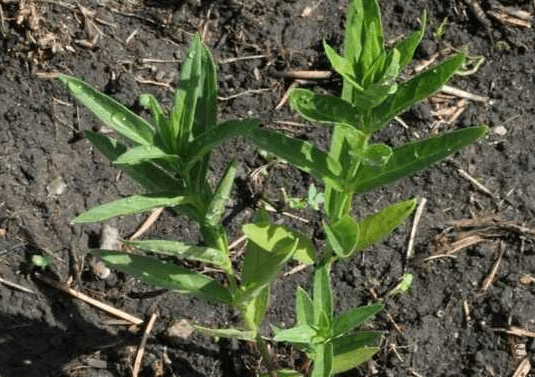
<point>372,95</point>
<point>42,261</point>
<point>441,29</point>
<point>169,157</point>
<point>313,200</point>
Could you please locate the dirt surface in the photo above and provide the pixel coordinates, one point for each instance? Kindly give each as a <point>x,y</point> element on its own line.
<point>447,325</point>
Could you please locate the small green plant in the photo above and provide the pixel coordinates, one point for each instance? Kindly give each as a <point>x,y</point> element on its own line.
<point>441,29</point>
<point>169,157</point>
<point>372,96</point>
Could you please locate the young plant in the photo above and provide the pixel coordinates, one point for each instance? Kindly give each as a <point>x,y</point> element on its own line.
<point>372,96</point>
<point>169,157</point>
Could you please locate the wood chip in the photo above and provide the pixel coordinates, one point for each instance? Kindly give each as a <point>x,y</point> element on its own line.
<point>527,279</point>
<point>523,368</point>
<point>494,270</point>
<point>142,344</point>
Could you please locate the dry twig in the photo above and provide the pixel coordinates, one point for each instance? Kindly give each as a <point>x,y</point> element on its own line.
<point>494,270</point>
<point>142,344</point>
<point>523,368</point>
<point>16,286</point>
<point>417,216</point>
<point>90,300</point>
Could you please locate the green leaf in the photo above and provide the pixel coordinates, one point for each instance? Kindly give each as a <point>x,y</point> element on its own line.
<point>148,175</point>
<point>299,153</point>
<point>342,236</point>
<point>226,333</point>
<point>206,109</point>
<point>322,299</point>
<point>343,66</point>
<point>414,156</point>
<point>350,351</point>
<point>378,226</point>
<point>298,334</point>
<point>166,275</point>
<point>325,108</point>
<point>149,102</point>
<point>403,286</point>
<point>220,199</point>
<point>132,205</point>
<point>304,308</point>
<point>284,373</point>
<point>142,153</point>
<point>416,89</point>
<point>268,249</point>
<point>277,237</point>
<point>407,47</point>
<point>188,90</point>
<point>375,155</point>
<point>371,36</point>
<point>354,318</point>
<point>255,310</point>
<point>323,360</point>
<point>182,250</point>
<point>110,112</point>
<point>204,143</point>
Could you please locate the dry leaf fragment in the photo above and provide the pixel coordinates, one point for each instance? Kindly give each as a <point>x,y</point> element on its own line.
<point>523,368</point>
<point>527,279</point>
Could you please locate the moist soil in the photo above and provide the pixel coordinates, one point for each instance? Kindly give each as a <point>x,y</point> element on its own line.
<point>447,324</point>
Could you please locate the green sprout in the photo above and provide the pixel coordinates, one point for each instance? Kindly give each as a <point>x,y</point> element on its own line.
<point>441,29</point>
<point>372,95</point>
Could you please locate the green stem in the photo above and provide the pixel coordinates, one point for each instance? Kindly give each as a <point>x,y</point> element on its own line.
<point>216,237</point>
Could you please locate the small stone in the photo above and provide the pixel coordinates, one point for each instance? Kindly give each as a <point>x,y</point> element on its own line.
<point>499,130</point>
<point>179,329</point>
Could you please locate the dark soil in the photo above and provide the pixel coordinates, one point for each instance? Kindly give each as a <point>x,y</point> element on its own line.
<point>445,326</point>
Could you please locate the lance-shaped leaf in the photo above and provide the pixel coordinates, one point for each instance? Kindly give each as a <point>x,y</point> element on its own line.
<point>110,112</point>
<point>352,350</point>
<point>299,153</point>
<point>416,89</point>
<point>354,318</point>
<point>322,299</point>
<point>182,250</point>
<point>221,196</point>
<point>205,142</point>
<point>325,108</point>
<point>132,205</point>
<point>300,334</point>
<point>148,175</point>
<point>226,333</point>
<point>142,153</point>
<point>378,226</point>
<point>166,275</point>
<point>371,35</point>
<point>187,92</point>
<point>206,109</point>
<point>343,66</point>
<point>414,156</point>
<point>255,310</point>
<point>407,47</point>
<point>342,236</point>
<point>268,249</point>
<point>149,102</point>
<point>304,308</point>
<point>284,373</point>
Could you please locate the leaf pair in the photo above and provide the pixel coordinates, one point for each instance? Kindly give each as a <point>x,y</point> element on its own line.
<point>326,338</point>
